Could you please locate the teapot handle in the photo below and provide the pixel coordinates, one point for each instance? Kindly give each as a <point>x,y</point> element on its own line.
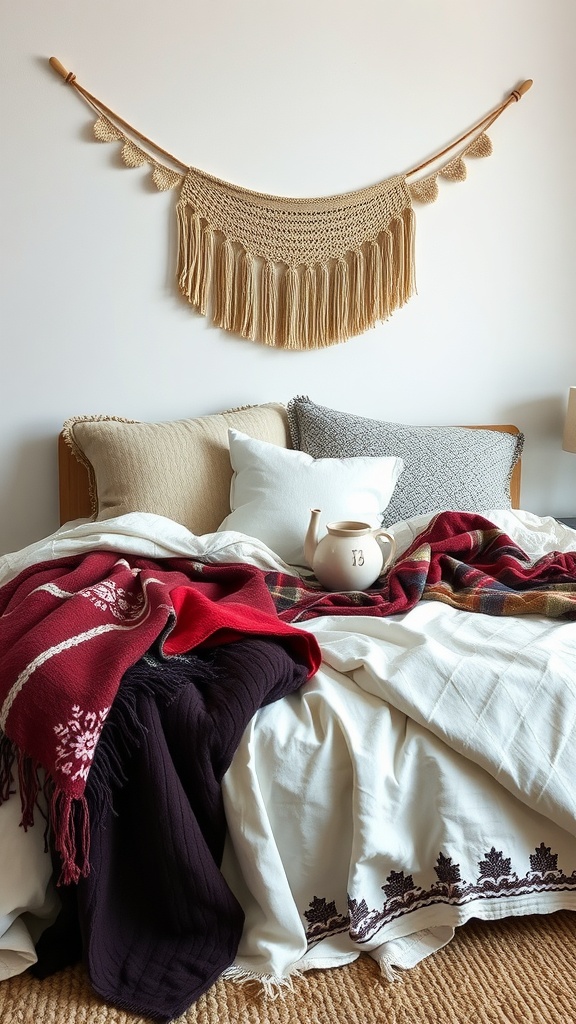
<point>377,534</point>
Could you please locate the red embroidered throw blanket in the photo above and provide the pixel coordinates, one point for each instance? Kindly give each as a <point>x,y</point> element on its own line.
<point>70,628</point>
<point>461,559</point>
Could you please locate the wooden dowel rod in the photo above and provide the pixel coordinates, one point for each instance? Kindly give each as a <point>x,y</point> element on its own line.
<point>524,87</point>
<point>59,67</point>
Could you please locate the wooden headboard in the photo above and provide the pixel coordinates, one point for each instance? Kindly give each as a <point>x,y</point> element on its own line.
<point>74,481</point>
<point>73,485</point>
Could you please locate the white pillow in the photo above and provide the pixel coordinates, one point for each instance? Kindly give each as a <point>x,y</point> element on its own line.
<point>273,490</point>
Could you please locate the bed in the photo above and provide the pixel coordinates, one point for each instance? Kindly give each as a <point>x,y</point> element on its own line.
<point>273,777</point>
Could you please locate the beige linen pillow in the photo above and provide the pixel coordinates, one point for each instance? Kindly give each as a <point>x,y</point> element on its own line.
<point>179,469</point>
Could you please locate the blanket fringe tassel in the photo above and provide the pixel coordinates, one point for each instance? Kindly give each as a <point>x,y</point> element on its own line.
<point>272,986</point>
<point>67,816</point>
<point>295,307</point>
<point>387,969</point>
<point>7,758</point>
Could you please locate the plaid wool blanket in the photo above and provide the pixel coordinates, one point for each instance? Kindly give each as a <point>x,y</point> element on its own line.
<point>461,559</point>
<point>70,629</point>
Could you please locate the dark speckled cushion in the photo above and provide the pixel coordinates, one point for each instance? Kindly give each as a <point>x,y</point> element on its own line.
<point>444,467</point>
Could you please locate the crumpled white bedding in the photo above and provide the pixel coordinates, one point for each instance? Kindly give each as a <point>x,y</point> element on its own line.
<point>422,777</point>
<point>28,898</point>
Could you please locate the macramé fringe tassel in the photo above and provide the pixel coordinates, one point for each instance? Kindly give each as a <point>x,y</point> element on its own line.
<point>295,307</point>
<point>291,307</point>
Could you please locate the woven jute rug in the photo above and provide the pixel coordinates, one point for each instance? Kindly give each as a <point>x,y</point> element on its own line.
<point>518,970</point>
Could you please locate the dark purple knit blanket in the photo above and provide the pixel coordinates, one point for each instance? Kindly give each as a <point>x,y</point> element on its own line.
<point>159,923</point>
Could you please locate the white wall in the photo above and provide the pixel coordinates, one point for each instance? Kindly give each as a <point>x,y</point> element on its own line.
<point>303,98</point>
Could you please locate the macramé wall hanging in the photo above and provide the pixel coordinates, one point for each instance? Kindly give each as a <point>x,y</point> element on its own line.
<point>294,273</point>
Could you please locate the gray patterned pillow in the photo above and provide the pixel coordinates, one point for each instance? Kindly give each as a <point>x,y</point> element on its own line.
<point>444,467</point>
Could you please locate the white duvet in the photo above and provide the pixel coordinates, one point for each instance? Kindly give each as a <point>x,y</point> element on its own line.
<point>424,776</point>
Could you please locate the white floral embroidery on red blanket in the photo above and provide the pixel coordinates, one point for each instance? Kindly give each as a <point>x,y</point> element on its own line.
<point>78,739</point>
<point>108,596</point>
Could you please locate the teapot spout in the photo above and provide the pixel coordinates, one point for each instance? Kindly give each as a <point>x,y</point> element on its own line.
<point>311,539</point>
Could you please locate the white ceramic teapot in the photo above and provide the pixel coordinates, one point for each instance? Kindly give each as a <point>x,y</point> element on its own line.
<point>349,557</point>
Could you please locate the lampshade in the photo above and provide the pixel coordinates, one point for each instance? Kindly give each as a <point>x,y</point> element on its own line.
<point>569,442</point>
